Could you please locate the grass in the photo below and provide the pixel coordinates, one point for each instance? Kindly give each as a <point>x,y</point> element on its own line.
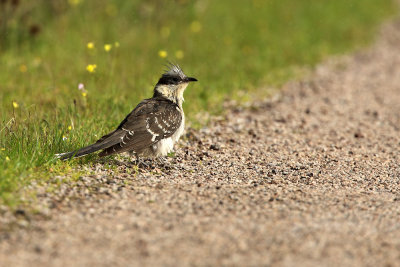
<point>233,48</point>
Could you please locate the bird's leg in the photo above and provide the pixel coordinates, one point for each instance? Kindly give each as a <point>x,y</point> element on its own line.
<point>135,161</point>
<point>163,161</point>
<point>141,163</point>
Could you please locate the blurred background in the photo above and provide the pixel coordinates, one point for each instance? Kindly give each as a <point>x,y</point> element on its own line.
<point>70,70</point>
<point>229,45</point>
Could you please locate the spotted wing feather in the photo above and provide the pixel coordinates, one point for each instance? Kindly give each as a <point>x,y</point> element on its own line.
<point>151,121</point>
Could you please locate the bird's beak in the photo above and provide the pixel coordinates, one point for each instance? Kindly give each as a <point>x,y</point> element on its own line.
<point>190,79</point>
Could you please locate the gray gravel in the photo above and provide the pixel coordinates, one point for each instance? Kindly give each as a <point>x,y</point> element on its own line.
<point>311,178</point>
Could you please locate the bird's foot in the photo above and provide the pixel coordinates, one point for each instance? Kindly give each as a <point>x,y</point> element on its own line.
<point>142,164</point>
<point>164,163</point>
<point>161,160</point>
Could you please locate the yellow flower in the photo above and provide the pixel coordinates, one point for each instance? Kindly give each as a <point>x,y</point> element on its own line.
<point>162,53</point>
<point>107,47</point>
<point>90,45</point>
<point>84,94</point>
<point>7,158</point>
<point>23,68</point>
<point>69,128</point>
<point>74,2</point>
<point>15,104</point>
<point>3,148</point>
<point>116,44</point>
<point>179,54</point>
<point>195,26</point>
<point>91,68</point>
<point>64,138</point>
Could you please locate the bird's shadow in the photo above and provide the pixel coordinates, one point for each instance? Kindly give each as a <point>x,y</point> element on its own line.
<point>143,165</point>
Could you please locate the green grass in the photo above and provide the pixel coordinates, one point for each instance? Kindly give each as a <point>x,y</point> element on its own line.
<point>232,47</point>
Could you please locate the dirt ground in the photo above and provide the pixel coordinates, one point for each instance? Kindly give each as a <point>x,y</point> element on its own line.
<point>309,178</point>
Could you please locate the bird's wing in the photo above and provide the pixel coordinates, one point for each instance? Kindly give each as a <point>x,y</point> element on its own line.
<point>151,121</point>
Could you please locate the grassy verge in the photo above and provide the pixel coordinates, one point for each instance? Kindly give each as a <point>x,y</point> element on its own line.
<point>231,47</point>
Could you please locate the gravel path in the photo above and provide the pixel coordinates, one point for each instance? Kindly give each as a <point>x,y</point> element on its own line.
<point>309,178</point>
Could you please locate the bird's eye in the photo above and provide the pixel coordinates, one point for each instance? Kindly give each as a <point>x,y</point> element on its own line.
<point>175,80</point>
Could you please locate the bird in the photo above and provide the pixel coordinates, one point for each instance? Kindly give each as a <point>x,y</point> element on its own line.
<point>152,128</point>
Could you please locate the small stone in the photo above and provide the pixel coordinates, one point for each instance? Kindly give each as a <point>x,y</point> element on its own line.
<point>215,147</point>
<point>358,134</point>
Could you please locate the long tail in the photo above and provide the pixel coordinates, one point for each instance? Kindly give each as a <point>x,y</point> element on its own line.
<point>103,143</point>
<point>79,153</point>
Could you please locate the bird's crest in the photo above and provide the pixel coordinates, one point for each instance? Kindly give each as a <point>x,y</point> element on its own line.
<point>174,70</point>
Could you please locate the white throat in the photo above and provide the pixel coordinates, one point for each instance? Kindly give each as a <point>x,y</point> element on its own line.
<point>173,92</point>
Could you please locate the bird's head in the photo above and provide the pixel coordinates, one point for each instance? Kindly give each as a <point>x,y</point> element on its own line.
<point>172,84</point>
